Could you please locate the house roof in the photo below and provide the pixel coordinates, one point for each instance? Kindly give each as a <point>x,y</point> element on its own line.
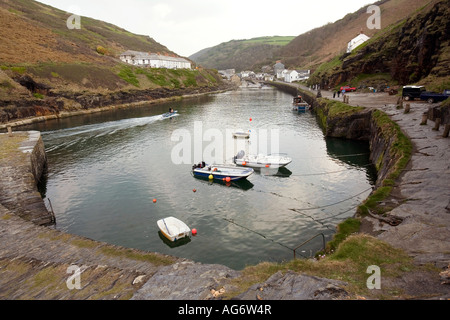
<point>361,36</point>
<point>151,56</point>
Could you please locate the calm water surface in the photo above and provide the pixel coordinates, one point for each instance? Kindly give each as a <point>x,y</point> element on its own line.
<point>106,169</point>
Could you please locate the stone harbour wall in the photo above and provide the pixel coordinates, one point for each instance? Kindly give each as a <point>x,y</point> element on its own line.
<point>19,179</point>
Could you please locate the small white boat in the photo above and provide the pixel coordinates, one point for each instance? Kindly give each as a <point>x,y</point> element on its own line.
<point>261,160</point>
<point>243,135</point>
<point>173,228</point>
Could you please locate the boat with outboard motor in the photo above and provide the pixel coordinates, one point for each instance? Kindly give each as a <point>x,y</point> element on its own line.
<point>261,160</point>
<point>170,114</point>
<point>221,172</point>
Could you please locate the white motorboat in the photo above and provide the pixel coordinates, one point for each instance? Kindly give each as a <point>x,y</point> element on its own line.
<point>261,160</point>
<point>173,228</point>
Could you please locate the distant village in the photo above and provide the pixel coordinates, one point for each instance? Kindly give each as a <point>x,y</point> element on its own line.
<point>279,72</point>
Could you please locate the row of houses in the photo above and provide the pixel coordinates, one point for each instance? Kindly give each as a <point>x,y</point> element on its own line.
<point>281,73</point>
<point>152,60</point>
<point>230,74</point>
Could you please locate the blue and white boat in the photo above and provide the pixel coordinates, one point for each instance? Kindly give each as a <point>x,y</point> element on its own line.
<point>298,104</point>
<point>168,115</point>
<point>221,172</point>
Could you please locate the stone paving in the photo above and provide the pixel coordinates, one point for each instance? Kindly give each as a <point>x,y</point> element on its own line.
<point>424,188</point>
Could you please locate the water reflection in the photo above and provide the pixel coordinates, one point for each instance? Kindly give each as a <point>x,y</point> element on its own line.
<point>354,154</point>
<point>174,244</point>
<point>242,184</point>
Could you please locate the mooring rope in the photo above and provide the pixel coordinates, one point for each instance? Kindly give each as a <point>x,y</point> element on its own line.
<point>332,204</point>
<point>256,232</point>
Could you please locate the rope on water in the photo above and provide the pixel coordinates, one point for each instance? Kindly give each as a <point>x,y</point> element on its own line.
<point>256,232</point>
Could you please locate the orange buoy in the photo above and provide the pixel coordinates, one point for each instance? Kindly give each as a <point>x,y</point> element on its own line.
<point>244,163</point>
<point>154,200</point>
<point>228,179</point>
<point>194,232</point>
<point>267,165</point>
<point>251,119</point>
<point>194,190</point>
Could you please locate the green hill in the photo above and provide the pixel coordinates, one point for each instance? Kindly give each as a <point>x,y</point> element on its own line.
<point>241,55</point>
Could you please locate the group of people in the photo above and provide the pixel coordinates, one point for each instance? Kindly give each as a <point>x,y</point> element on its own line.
<point>338,92</point>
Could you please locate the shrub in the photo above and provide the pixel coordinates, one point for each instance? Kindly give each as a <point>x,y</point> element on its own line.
<point>101,50</point>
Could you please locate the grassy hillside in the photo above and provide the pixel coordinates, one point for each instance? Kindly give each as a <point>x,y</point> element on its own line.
<point>36,42</point>
<point>414,50</point>
<point>241,54</point>
<point>33,32</point>
<point>46,68</point>
<point>322,44</point>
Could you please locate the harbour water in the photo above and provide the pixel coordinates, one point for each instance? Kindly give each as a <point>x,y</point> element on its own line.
<point>106,169</point>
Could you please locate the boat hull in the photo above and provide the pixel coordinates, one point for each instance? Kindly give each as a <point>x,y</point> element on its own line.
<point>301,107</point>
<point>263,162</point>
<point>241,135</point>
<point>169,115</point>
<point>222,173</point>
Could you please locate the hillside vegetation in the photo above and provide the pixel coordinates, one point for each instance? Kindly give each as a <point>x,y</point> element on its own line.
<point>241,55</point>
<point>414,50</point>
<point>322,44</point>
<point>312,48</point>
<point>45,67</point>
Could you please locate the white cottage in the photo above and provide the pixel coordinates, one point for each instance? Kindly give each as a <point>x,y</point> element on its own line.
<point>145,59</point>
<point>291,76</point>
<point>357,41</point>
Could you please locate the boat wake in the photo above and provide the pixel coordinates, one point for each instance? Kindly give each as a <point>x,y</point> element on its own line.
<point>85,132</point>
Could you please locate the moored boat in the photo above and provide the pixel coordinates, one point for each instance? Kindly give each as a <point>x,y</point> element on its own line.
<point>261,160</point>
<point>221,172</point>
<point>173,228</point>
<point>298,104</point>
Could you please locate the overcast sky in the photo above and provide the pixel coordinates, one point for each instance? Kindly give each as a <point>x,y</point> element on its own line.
<point>187,26</point>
